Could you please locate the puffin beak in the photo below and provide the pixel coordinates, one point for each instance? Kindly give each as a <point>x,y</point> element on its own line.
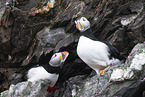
<point>66,54</point>
<point>78,26</point>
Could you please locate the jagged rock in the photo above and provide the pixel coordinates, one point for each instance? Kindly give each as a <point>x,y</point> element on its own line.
<point>135,62</point>
<point>22,20</point>
<point>117,81</point>
<point>134,7</point>
<point>46,40</point>
<point>27,89</point>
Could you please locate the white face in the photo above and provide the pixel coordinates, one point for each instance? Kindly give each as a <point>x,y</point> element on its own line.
<point>58,58</point>
<point>82,24</point>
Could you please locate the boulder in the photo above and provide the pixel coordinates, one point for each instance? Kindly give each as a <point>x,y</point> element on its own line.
<point>120,80</point>
<point>32,30</point>
<point>27,89</point>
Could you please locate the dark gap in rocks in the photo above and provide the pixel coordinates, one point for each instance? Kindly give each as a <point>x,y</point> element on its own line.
<point>61,24</point>
<point>45,58</point>
<point>97,32</point>
<point>136,90</point>
<point>143,31</point>
<point>112,31</point>
<point>3,78</point>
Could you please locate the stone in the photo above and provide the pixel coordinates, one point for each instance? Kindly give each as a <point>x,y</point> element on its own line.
<point>117,75</point>
<point>119,80</point>
<point>136,62</point>
<point>21,47</point>
<point>128,19</point>
<point>46,39</point>
<point>27,89</point>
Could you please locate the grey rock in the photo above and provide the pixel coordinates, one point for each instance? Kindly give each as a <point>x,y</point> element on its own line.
<point>134,7</point>
<point>127,19</point>
<point>64,42</point>
<point>120,80</point>
<point>22,20</point>
<point>46,39</point>
<point>27,89</point>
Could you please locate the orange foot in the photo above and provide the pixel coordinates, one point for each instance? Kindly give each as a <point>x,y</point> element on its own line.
<point>52,88</point>
<point>102,71</point>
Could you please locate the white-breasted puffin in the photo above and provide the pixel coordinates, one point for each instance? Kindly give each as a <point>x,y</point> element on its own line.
<point>93,52</point>
<point>49,71</point>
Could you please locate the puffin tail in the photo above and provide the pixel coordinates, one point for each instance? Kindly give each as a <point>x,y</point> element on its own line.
<point>115,53</point>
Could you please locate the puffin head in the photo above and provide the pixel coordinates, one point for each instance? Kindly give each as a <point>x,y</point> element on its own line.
<point>82,24</point>
<point>58,58</point>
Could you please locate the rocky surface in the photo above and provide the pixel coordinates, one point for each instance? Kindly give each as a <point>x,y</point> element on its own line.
<point>32,30</point>
<point>123,82</point>
<point>27,89</point>
<point>131,85</point>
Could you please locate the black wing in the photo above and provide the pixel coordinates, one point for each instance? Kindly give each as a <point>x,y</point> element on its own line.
<point>114,52</point>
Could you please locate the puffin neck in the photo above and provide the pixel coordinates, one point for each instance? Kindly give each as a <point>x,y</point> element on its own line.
<point>51,69</point>
<point>88,33</point>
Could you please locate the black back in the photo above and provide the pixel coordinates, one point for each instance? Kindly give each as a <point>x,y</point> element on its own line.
<point>44,61</point>
<point>51,69</point>
<point>112,50</point>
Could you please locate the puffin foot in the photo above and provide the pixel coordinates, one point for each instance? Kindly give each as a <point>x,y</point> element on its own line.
<point>102,71</point>
<point>52,88</point>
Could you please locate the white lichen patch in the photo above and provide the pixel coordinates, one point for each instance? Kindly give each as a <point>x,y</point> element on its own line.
<point>128,73</point>
<point>127,19</point>
<point>73,92</point>
<point>121,74</point>
<point>117,75</point>
<point>136,64</point>
<point>138,61</point>
<point>87,84</point>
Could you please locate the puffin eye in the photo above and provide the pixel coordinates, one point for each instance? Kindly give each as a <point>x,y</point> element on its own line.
<point>54,55</point>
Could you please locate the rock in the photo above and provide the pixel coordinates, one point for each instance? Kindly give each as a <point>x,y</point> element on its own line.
<point>24,41</point>
<point>119,80</point>
<point>117,75</point>
<point>134,7</point>
<point>11,76</point>
<point>27,89</point>
<point>135,62</point>
<point>46,40</point>
<point>64,42</point>
<point>128,19</point>
<point>138,62</point>
<point>44,8</point>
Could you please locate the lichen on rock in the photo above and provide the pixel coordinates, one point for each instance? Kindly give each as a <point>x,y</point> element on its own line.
<point>135,62</point>
<point>27,89</point>
<point>46,5</point>
<point>25,38</point>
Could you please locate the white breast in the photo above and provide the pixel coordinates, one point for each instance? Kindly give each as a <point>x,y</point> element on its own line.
<point>93,53</point>
<point>39,73</point>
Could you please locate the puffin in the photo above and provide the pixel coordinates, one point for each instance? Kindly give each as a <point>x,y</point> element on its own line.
<point>48,71</point>
<point>96,54</point>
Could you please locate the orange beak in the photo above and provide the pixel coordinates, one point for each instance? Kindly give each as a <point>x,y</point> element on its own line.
<point>78,25</point>
<point>66,54</point>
